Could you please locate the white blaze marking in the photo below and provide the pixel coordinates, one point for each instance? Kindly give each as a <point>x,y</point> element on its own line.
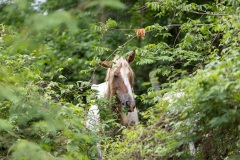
<point>124,72</point>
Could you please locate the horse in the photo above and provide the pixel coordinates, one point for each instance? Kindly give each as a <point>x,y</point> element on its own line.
<point>120,79</point>
<point>119,84</point>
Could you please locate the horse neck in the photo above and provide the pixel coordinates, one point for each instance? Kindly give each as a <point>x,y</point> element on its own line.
<point>117,106</point>
<point>110,94</point>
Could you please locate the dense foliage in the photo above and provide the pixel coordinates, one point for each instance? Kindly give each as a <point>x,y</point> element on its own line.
<point>187,78</point>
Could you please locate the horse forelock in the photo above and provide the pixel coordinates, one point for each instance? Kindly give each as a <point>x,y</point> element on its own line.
<point>117,62</point>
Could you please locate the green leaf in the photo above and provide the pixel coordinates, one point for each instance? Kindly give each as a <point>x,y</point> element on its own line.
<point>108,3</point>
<point>5,125</point>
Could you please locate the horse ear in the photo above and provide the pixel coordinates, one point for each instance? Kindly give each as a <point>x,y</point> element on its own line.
<point>106,64</point>
<point>131,57</point>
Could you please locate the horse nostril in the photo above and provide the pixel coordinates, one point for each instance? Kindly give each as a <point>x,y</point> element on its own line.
<point>128,104</point>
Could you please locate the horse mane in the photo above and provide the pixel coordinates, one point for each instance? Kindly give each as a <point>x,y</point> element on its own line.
<point>117,61</point>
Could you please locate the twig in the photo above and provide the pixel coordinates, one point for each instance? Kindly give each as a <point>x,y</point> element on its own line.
<point>207,13</point>
<point>120,46</point>
<point>215,37</point>
<point>141,8</point>
<point>170,25</point>
<point>176,38</point>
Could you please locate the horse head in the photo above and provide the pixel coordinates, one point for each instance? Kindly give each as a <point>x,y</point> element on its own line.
<point>120,78</point>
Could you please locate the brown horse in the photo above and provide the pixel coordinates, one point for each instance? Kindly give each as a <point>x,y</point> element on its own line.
<point>119,84</point>
<point>120,78</point>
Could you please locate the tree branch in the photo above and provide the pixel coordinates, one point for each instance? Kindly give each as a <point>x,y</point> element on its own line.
<point>207,13</point>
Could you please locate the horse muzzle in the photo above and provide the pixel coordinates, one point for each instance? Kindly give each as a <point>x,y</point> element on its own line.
<point>127,101</point>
